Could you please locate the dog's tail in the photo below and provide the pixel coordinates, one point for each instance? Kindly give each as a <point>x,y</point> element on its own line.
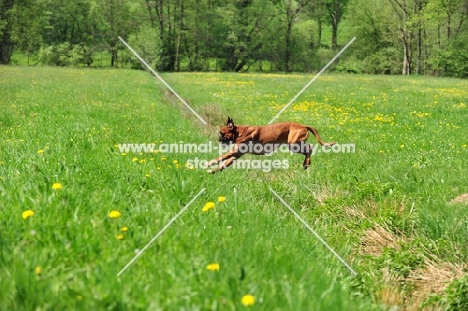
<point>317,136</point>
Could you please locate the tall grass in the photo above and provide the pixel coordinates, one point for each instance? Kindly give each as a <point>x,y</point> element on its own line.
<point>64,126</point>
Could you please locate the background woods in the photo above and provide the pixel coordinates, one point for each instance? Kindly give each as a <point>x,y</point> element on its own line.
<point>427,37</point>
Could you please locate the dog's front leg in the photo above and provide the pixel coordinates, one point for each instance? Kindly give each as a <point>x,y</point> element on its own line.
<point>224,157</point>
<point>226,164</point>
<point>227,158</point>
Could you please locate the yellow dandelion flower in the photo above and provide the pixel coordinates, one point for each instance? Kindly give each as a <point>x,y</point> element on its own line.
<point>124,229</point>
<point>175,161</point>
<point>135,159</point>
<point>142,161</point>
<point>27,214</point>
<point>38,270</point>
<point>402,146</point>
<point>40,151</point>
<point>120,237</point>
<point>147,175</point>
<point>57,186</point>
<point>208,206</point>
<point>248,300</point>
<point>79,297</point>
<point>221,199</point>
<point>213,267</point>
<point>123,154</point>
<point>114,214</point>
<point>163,159</point>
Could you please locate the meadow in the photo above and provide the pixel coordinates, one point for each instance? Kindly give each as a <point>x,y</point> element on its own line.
<point>74,209</point>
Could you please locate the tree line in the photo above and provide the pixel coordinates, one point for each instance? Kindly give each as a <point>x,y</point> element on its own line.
<point>427,37</point>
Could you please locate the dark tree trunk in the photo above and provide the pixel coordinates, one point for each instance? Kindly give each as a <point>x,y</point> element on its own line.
<point>181,19</point>
<point>449,26</point>
<point>6,48</point>
<point>438,36</point>
<point>335,20</point>
<point>6,44</point>
<point>425,51</point>
<point>419,6</point>
<point>334,34</point>
<point>288,52</point>
<point>418,66</point>
<point>319,32</point>
<point>113,56</point>
<point>170,43</point>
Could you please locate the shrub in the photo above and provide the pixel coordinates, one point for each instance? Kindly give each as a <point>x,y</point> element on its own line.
<point>65,55</point>
<point>385,61</point>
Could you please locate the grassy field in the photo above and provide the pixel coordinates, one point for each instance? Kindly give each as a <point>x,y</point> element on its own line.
<point>386,208</point>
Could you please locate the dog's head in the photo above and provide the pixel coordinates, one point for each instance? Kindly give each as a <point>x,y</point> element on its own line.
<point>228,133</point>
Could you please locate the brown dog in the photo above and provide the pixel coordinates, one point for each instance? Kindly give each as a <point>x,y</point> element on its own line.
<point>265,139</point>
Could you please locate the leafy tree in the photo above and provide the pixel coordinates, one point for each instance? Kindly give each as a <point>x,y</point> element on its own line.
<point>335,9</point>
<point>112,18</point>
<point>291,10</point>
<point>26,26</point>
<point>246,22</point>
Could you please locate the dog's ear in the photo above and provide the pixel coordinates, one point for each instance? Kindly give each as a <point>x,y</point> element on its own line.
<point>230,123</point>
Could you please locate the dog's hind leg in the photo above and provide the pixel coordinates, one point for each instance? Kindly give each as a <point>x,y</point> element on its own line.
<point>307,151</point>
<point>302,148</point>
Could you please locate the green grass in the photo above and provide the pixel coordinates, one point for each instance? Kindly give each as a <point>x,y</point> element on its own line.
<point>62,126</point>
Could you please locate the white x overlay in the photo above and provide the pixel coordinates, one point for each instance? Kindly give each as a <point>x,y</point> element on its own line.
<point>162,80</point>
<point>204,122</point>
<point>315,233</point>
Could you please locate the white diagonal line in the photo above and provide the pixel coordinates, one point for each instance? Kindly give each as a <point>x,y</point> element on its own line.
<point>313,79</point>
<point>315,233</point>
<point>162,80</point>
<point>160,232</point>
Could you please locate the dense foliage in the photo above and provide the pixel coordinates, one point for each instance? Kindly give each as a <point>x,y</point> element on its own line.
<point>393,36</point>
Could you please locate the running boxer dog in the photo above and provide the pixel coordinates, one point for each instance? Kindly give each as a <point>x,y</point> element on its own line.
<point>264,139</point>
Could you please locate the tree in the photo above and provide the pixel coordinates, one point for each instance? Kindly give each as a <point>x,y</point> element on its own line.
<point>245,21</point>
<point>291,11</point>
<point>335,10</point>
<point>403,11</point>
<point>27,25</point>
<point>113,19</point>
